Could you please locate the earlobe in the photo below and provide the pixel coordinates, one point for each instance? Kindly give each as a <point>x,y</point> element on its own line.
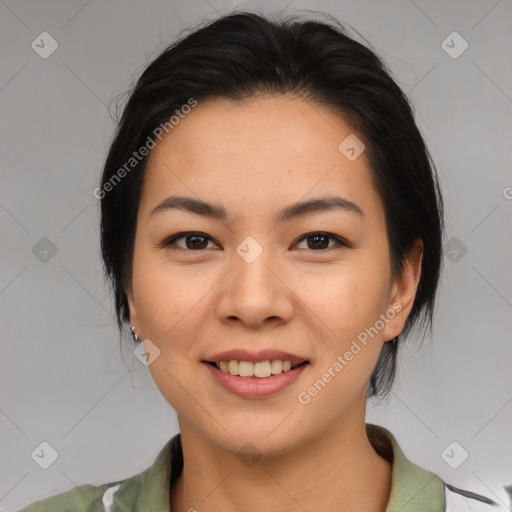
<point>133,316</point>
<point>404,291</point>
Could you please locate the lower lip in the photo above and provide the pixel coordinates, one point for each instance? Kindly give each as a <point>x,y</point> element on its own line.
<point>247,387</point>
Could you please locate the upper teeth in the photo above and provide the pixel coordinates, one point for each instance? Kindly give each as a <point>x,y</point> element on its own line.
<point>260,369</point>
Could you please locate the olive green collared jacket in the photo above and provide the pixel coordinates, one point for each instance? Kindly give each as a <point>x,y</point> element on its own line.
<point>413,489</point>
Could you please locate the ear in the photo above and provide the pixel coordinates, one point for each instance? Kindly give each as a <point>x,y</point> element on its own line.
<point>403,291</point>
<point>131,307</point>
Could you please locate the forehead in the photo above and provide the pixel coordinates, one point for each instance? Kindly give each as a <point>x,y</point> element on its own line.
<point>264,150</point>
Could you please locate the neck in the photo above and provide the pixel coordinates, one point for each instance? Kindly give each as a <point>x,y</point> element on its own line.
<point>338,469</point>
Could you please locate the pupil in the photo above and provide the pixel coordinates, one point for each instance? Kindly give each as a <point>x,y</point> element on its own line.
<point>194,244</point>
<point>316,244</point>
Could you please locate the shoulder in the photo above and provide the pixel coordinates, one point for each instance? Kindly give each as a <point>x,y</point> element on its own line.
<point>83,498</point>
<point>143,491</point>
<point>458,500</point>
<point>416,488</point>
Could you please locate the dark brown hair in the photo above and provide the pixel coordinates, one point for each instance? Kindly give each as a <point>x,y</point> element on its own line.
<point>241,55</point>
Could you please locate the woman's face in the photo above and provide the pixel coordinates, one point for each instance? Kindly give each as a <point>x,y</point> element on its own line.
<point>253,282</point>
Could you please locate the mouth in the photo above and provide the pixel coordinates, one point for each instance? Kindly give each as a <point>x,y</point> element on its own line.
<point>255,380</point>
<point>255,370</point>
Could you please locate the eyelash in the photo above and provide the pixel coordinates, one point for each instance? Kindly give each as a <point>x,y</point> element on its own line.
<point>170,241</point>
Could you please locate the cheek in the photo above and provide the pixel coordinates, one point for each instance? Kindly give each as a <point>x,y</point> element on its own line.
<point>165,296</point>
<point>348,301</point>
<point>168,305</point>
<point>346,298</point>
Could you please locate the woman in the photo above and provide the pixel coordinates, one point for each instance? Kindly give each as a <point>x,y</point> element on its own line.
<point>272,227</point>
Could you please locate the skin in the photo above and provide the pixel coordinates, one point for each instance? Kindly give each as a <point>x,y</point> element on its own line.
<point>253,158</point>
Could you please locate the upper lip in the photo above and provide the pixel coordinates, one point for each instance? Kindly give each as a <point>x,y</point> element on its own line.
<point>262,355</point>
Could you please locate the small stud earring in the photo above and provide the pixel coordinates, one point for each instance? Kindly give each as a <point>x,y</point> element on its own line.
<point>135,334</point>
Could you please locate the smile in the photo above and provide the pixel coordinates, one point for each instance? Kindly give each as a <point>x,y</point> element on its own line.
<point>260,369</point>
<point>252,386</point>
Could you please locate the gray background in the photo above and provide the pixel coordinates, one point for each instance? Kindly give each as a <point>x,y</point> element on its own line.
<point>64,378</point>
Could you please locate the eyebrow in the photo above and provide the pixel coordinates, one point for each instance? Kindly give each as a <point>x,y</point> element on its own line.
<point>293,211</point>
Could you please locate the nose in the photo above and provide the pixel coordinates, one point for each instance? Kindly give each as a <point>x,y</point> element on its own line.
<point>255,292</point>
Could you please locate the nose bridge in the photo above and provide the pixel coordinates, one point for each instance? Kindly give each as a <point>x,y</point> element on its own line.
<point>254,292</point>
<point>252,264</point>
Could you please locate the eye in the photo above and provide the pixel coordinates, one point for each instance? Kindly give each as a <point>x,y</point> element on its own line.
<point>193,241</point>
<point>320,240</point>
<point>196,241</point>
